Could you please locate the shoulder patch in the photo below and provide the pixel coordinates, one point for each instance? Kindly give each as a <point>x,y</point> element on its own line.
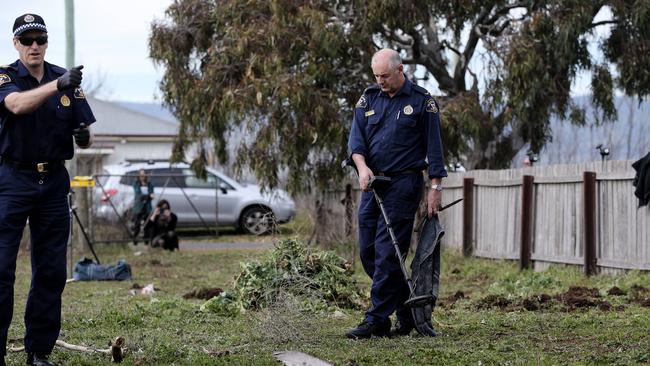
<point>4,78</point>
<point>431,106</point>
<point>421,90</point>
<point>79,93</point>
<point>362,103</point>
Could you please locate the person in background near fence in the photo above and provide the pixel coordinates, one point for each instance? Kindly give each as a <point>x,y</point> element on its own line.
<point>395,131</point>
<point>161,227</point>
<point>42,109</point>
<point>142,197</point>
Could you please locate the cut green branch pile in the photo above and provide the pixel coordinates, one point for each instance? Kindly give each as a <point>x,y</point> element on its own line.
<point>321,279</point>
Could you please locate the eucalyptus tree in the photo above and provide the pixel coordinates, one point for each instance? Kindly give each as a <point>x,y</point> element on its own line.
<point>287,73</point>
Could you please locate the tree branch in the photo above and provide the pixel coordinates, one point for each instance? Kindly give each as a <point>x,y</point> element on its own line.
<point>116,348</point>
<point>604,22</point>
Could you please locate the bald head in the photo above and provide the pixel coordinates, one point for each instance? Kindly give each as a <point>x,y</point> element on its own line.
<point>387,57</point>
<point>388,70</point>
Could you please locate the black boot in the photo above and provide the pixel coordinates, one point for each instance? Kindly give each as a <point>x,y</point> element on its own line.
<point>2,361</point>
<point>367,330</point>
<point>38,360</point>
<point>402,328</point>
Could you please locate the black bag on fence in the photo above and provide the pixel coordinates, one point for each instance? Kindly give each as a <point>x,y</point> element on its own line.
<point>87,270</point>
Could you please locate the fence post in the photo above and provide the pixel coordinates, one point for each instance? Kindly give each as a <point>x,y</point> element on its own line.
<point>468,216</point>
<point>526,221</point>
<point>589,214</point>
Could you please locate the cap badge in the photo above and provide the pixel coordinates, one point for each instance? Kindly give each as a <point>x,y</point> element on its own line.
<point>65,101</point>
<point>28,18</point>
<point>408,110</point>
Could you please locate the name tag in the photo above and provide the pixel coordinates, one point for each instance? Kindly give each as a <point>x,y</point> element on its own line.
<point>370,113</point>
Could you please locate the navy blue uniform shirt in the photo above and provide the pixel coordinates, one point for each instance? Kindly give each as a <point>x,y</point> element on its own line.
<point>46,133</point>
<point>398,133</point>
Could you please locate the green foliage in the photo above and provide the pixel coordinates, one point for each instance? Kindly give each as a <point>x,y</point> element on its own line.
<point>285,73</point>
<point>224,305</point>
<point>319,278</point>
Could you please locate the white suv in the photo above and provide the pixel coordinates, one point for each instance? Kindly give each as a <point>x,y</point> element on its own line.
<point>193,199</point>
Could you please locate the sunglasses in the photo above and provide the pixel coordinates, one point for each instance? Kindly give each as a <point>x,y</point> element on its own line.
<point>28,41</point>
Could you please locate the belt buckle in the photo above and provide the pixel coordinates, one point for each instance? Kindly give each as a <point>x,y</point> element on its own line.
<point>41,167</point>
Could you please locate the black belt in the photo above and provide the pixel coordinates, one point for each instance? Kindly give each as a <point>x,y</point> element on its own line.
<point>42,167</point>
<point>401,172</point>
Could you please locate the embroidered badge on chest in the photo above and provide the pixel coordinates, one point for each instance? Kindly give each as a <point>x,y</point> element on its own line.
<point>408,110</point>
<point>65,101</point>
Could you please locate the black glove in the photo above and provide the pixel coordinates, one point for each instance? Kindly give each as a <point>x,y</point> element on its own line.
<point>70,80</point>
<point>81,135</point>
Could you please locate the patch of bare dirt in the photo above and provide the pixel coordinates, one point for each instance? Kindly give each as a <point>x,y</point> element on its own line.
<point>205,293</point>
<point>615,291</point>
<point>639,295</point>
<point>493,301</point>
<point>573,299</point>
<point>536,302</point>
<point>578,297</point>
<point>449,301</point>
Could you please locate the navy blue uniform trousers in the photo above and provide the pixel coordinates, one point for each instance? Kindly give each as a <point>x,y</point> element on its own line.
<point>389,289</point>
<point>41,197</point>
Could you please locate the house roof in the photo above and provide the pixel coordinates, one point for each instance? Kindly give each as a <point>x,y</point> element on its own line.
<point>116,120</point>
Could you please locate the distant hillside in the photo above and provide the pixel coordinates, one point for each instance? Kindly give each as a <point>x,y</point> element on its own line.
<point>627,139</point>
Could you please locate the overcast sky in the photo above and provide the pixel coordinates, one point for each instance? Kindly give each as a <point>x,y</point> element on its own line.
<point>111,42</point>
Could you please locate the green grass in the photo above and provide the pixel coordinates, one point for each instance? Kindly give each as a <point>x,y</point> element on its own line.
<point>166,329</point>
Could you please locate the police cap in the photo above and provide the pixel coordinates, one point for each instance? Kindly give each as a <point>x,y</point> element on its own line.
<point>28,22</point>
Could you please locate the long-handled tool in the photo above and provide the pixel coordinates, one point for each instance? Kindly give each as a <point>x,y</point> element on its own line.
<point>414,301</point>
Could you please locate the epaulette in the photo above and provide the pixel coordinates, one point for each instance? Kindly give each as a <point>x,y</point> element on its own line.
<point>421,90</point>
<point>363,102</point>
<point>372,88</point>
<point>57,69</point>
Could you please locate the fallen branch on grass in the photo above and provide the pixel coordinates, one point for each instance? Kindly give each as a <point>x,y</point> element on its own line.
<point>115,348</point>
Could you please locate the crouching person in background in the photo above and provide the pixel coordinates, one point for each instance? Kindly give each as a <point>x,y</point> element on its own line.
<point>161,227</point>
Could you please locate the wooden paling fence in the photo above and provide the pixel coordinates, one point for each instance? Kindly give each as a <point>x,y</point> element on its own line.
<point>580,214</point>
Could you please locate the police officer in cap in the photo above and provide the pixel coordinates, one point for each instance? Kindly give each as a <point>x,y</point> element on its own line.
<point>42,110</point>
<point>396,133</point>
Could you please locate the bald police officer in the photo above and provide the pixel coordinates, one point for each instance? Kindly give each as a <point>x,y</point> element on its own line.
<point>42,109</point>
<point>395,133</point>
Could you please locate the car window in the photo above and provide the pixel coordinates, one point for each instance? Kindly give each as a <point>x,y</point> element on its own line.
<point>166,177</point>
<point>129,178</point>
<point>192,181</point>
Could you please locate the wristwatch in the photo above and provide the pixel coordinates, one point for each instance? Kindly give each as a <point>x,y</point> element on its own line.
<point>437,187</point>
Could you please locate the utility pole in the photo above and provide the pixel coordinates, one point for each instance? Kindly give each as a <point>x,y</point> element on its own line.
<point>79,199</point>
<point>69,61</point>
<point>69,33</point>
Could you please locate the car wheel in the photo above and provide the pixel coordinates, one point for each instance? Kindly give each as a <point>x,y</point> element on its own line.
<point>257,221</point>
